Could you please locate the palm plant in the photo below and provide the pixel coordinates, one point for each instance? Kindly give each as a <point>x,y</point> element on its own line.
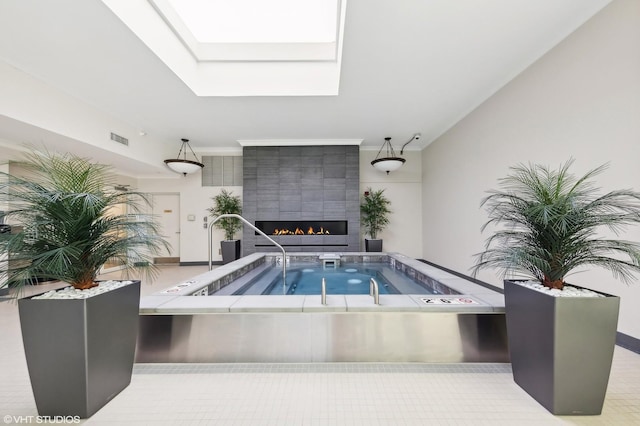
<point>227,203</point>
<point>374,211</point>
<point>67,228</point>
<point>552,222</point>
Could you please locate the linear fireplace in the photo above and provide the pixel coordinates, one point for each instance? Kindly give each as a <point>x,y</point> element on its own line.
<point>303,227</point>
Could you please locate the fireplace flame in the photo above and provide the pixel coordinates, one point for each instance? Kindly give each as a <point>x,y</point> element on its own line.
<point>299,231</point>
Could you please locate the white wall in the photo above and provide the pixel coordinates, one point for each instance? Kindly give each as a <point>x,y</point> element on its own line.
<point>32,102</point>
<point>580,100</point>
<point>403,189</point>
<point>194,199</point>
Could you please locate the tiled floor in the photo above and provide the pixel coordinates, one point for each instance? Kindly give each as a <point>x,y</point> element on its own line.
<point>314,394</point>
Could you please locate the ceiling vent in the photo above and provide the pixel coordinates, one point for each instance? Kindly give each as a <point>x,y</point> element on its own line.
<point>119,139</point>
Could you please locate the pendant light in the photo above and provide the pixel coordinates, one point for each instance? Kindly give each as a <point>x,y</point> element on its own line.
<point>182,165</point>
<point>389,162</point>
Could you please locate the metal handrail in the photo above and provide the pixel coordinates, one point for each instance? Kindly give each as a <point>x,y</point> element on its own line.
<point>323,292</point>
<point>373,291</point>
<point>237,216</point>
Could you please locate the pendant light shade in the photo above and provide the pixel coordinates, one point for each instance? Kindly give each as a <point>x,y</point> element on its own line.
<point>389,162</point>
<point>182,165</point>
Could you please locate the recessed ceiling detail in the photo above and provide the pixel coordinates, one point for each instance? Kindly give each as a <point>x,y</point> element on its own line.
<point>256,48</point>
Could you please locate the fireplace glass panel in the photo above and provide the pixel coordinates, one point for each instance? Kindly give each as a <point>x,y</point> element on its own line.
<point>303,227</point>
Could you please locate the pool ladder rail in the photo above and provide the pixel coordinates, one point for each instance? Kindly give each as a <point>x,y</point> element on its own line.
<point>237,216</point>
<point>323,292</point>
<point>373,291</point>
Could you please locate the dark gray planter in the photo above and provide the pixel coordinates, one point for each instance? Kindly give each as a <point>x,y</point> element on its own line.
<point>230,250</point>
<point>561,348</point>
<point>80,351</point>
<point>372,245</point>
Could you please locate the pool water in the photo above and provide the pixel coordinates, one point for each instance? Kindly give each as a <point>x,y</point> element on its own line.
<point>342,280</point>
<point>345,279</point>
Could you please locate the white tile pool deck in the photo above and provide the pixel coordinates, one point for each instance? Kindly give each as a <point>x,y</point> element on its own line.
<point>313,394</point>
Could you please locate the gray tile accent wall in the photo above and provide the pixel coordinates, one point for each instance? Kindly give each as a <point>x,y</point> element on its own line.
<point>302,183</point>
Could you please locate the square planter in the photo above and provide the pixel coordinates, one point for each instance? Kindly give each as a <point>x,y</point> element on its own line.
<point>230,250</point>
<point>372,245</point>
<point>80,351</point>
<point>561,348</point>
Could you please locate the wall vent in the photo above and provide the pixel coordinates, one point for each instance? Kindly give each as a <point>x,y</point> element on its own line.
<point>119,139</point>
<point>222,170</point>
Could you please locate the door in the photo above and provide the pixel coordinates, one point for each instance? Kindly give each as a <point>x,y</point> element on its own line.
<point>166,210</point>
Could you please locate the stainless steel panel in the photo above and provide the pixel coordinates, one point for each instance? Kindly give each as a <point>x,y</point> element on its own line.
<point>323,337</point>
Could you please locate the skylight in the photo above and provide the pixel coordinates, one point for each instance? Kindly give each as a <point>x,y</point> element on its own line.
<point>259,21</point>
<point>243,47</point>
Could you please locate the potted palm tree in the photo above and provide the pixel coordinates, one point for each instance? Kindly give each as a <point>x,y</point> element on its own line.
<point>227,203</point>
<point>79,342</point>
<point>374,217</point>
<point>551,222</point>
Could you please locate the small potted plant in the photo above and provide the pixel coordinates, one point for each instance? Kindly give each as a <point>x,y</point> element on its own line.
<point>227,203</point>
<point>374,217</point>
<point>551,223</point>
<point>79,342</point>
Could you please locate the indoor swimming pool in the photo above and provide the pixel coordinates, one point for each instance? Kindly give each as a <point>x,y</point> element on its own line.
<point>422,314</point>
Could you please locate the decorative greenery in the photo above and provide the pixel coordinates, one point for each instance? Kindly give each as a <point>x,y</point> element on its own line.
<point>226,203</point>
<point>552,222</point>
<point>374,211</point>
<point>67,228</point>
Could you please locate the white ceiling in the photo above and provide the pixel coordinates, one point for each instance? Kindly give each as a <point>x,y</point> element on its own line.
<point>408,66</point>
